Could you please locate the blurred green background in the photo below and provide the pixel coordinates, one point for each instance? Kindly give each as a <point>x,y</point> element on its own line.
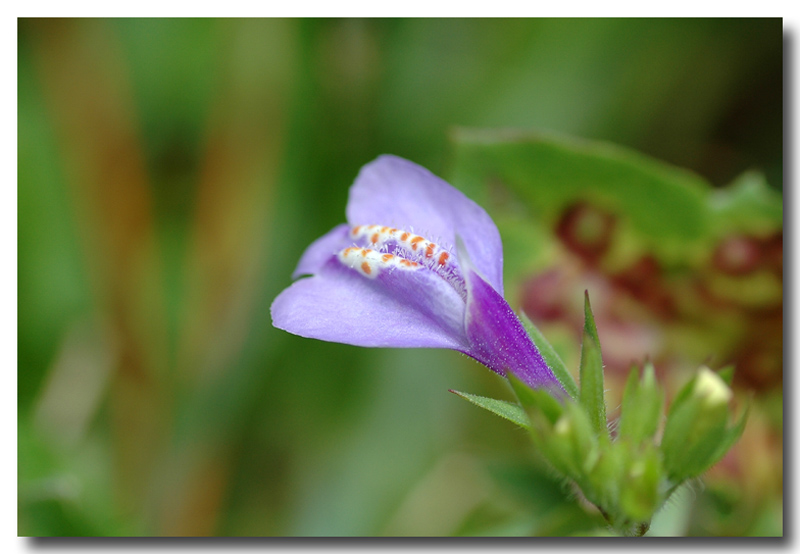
<point>171,172</point>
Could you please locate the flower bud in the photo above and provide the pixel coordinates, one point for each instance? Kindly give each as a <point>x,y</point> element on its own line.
<point>639,493</point>
<point>696,427</point>
<point>641,406</point>
<point>712,389</point>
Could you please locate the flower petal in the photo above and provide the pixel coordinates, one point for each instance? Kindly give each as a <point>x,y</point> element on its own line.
<point>497,338</point>
<point>321,251</point>
<point>400,308</point>
<point>393,191</point>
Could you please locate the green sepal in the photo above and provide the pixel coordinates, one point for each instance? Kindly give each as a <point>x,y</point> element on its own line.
<point>732,434</point>
<point>726,374</point>
<point>551,357</point>
<point>507,410</point>
<point>682,397</point>
<point>536,400</point>
<point>560,430</point>
<point>592,395</point>
<point>642,403</point>
<point>575,429</point>
<point>640,494</point>
<point>543,412</point>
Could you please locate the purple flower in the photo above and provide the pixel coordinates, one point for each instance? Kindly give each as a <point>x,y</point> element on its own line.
<point>417,265</point>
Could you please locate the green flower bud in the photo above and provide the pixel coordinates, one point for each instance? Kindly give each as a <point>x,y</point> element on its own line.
<point>639,494</point>
<point>641,406</point>
<point>569,443</point>
<point>712,389</point>
<point>696,427</point>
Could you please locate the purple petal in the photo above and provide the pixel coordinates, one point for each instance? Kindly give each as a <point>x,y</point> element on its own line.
<point>395,192</point>
<point>321,251</point>
<point>396,309</point>
<point>497,338</point>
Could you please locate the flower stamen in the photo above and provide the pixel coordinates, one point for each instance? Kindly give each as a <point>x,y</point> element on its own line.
<point>370,262</point>
<point>406,250</point>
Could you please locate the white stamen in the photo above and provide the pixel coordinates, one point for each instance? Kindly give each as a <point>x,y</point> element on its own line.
<point>377,247</point>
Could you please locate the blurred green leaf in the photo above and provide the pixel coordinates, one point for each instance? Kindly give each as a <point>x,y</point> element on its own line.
<point>664,204</point>
<point>748,205</point>
<point>546,496</point>
<point>551,357</point>
<point>66,491</point>
<point>673,519</point>
<point>512,412</point>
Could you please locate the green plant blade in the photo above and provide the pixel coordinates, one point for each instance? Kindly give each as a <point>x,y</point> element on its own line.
<point>507,410</point>
<point>551,357</point>
<point>592,395</point>
<point>664,205</point>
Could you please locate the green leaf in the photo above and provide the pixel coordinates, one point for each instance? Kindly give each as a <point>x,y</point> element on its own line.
<point>592,395</point>
<point>507,410</point>
<point>550,356</point>
<point>667,207</point>
<point>748,205</point>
